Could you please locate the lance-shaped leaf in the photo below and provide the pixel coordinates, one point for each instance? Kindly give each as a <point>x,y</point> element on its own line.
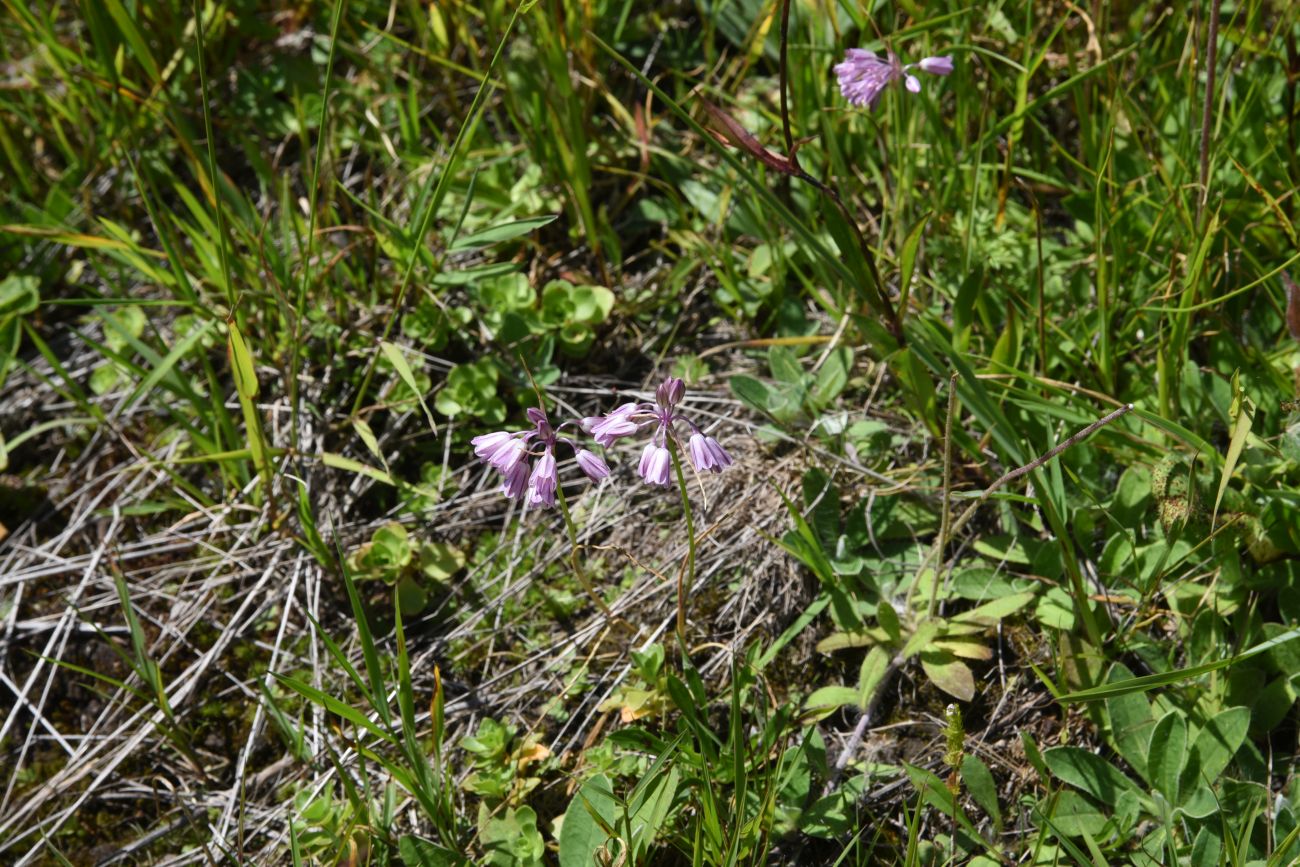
<point>729,131</point>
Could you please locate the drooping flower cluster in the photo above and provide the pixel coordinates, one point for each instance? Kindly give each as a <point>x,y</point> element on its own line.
<point>526,459</point>
<point>656,461</point>
<point>863,75</point>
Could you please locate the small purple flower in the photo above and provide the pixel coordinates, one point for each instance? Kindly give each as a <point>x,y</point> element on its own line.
<point>646,453</point>
<point>936,65</point>
<point>670,392</point>
<point>863,76</point>
<point>655,466</point>
<point>609,427</point>
<point>501,450</point>
<point>541,485</point>
<point>486,444</point>
<point>516,480</point>
<point>526,459</point>
<point>592,464</point>
<point>706,454</point>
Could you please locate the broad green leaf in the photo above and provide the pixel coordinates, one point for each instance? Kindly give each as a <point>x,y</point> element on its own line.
<point>1201,803</point>
<point>1274,703</point>
<point>19,294</point>
<point>949,673</point>
<point>411,597</point>
<point>920,639</point>
<point>1089,772</point>
<point>785,365</point>
<point>832,377</point>
<point>823,501</point>
<point>581,834</point>
<point>1074,816</point>
<point>965,647</point>
<point>887,617</point>
<point>511,838</point>
<point>440,560</point>
<point>591,304</point>
<point>1215,745</point>
<point>1206,848</point>
<point>1130,723</point>
<point>751,392</point>
<point>1167,753</point>
<point>1032,753</point>
<point>836,813</point>
<point>982,787</point>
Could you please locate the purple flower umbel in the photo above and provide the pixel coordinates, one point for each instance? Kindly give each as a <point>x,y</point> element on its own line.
<point>656,461</point>
<point>512,454</point>
<point>863,76</point>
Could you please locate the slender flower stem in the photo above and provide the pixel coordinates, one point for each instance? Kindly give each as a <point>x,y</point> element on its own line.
<point>1207,112</point>
<point>573,554</point>
<point>685,575</point>
<point>785,83</point>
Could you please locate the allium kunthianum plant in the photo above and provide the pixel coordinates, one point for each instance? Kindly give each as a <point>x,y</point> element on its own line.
<point>863,77</point>
<point>527,463</point>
